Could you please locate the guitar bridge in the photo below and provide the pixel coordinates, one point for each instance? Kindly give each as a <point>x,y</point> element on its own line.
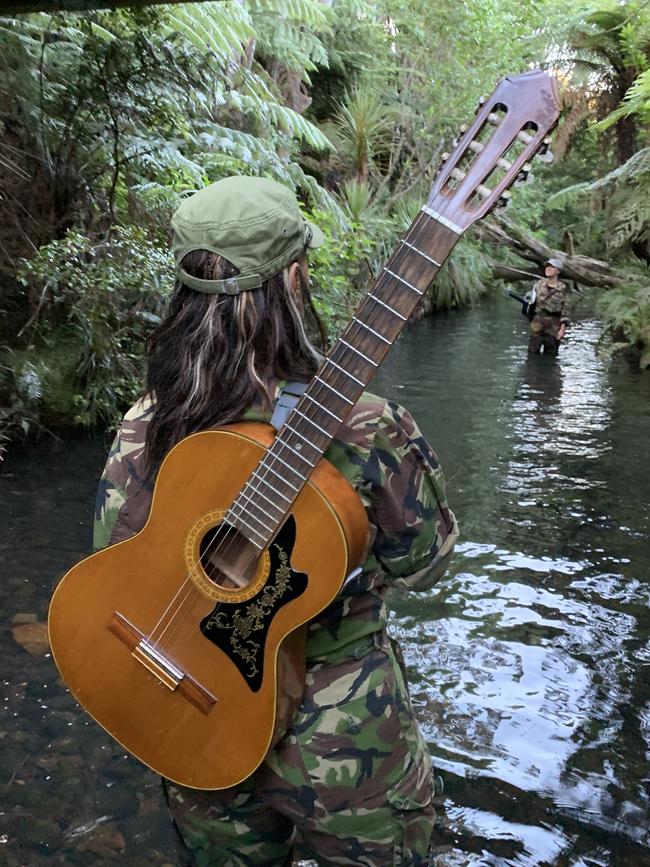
<point>163,670</point>
<point>157,664</point>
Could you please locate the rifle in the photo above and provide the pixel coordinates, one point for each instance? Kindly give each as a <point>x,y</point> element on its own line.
<point>527,301</point>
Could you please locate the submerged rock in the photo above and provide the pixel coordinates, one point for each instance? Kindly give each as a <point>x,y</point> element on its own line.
<point>32,637</point>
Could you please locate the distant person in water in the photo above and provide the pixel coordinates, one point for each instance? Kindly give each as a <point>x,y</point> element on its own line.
<point>548,325</point>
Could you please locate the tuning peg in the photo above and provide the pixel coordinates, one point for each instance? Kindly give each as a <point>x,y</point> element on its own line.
<point>480,105</point>
<point>544,153</point>
<point>524,177</point>
<point>463,129</point>
<point>503,202</point>
<point>445,157</point>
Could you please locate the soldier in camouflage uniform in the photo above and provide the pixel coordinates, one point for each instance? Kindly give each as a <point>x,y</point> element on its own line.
<point>549,323</point>
<point>350,782</point>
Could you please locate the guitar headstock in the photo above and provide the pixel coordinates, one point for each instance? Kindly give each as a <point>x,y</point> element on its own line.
<point>494,152</point>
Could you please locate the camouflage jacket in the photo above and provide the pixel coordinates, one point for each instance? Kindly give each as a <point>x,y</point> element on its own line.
<point>551,299</point>
<point>381,451</point>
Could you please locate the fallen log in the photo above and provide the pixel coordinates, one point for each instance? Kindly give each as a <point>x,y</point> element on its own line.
<point>583,269</point>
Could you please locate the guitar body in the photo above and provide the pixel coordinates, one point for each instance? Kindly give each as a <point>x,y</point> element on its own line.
<point>179,669</point>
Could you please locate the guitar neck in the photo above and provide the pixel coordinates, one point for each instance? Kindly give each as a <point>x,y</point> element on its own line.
<point>519,298</point>
<point>491,155</point>
<point>261,506</point>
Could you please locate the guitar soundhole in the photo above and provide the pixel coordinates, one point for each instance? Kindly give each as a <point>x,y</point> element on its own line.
<point>227,557</point>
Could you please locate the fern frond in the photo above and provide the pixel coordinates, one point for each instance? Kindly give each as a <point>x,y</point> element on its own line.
<point>311,13</point>
<point>220,29</point>
<point>635,101</point>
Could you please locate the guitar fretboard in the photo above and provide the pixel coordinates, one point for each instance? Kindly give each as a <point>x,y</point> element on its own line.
<point>261,506</point>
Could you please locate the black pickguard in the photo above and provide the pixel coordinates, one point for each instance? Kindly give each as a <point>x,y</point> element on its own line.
<point>239,629</point>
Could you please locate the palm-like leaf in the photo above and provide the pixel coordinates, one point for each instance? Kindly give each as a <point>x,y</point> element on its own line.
<point>364,125</point>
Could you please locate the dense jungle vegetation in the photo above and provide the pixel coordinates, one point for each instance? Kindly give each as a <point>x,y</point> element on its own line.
<point>108,117</point>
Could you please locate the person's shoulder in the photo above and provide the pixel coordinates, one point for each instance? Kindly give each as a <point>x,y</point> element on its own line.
<point>133,428</point>
<point>372,415</point>
<point>141,409</point>
<point>376,410</point>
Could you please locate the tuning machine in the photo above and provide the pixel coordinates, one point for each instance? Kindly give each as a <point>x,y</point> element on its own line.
<point>524,177</point>
<point>443,159</point>
<point>502,203</point>
<point>544,152</point>
<point>480,105</point>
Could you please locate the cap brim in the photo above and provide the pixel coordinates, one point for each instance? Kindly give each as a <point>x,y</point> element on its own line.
<point>317,237</point>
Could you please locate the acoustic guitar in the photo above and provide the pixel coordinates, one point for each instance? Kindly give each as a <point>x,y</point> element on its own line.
<point>173,640</point>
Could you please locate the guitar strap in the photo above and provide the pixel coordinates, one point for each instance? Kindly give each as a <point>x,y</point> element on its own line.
<point>289,396</point>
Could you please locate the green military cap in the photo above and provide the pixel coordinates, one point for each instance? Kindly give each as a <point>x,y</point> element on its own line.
<point>255,223</point>
<point>554,262</point>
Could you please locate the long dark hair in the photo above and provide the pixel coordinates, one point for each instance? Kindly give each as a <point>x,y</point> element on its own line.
<point>213,356</point>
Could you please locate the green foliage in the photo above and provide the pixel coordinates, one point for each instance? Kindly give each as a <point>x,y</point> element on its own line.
<point>80,357</point>
<point>363,126</point>
<point>636,101</point>
<point>623,197</point>
<point>109,117</point>
<point>340,269</point>
<point>626,314</point>
<point>464,278</point>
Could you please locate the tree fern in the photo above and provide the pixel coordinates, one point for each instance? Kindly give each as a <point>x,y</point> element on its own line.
<point>636,101</point>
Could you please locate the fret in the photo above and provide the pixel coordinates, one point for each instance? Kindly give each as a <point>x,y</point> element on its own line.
<point>442,220</point>
<point>327,385</point>
<point>358,351</point>
<point>312,422</point>
<point>279,478</point>
<point>372,331</point>
<point>320,406</point>
<point>405,282</point>
<point>387,306</point>
<point>296,452</point>
<point>302,437</point>
<point>239,505</point>
<point>238,518</point>
<point>421,253</point>
<point>256,505</point>
<point>282,478</point>
<point>346,372</point>
<point>272,456</point>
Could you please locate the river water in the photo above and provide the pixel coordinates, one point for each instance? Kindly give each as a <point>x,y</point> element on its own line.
<point>529,662</point>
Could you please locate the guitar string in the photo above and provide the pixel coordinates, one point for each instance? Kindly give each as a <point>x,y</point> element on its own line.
<point>263,479</point>
<point>422,220</point>
<point>447,205</point>
<point>230,531</point>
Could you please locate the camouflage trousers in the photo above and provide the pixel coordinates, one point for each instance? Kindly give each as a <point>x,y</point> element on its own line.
<point>349,784</point>
<point>544,330</point>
